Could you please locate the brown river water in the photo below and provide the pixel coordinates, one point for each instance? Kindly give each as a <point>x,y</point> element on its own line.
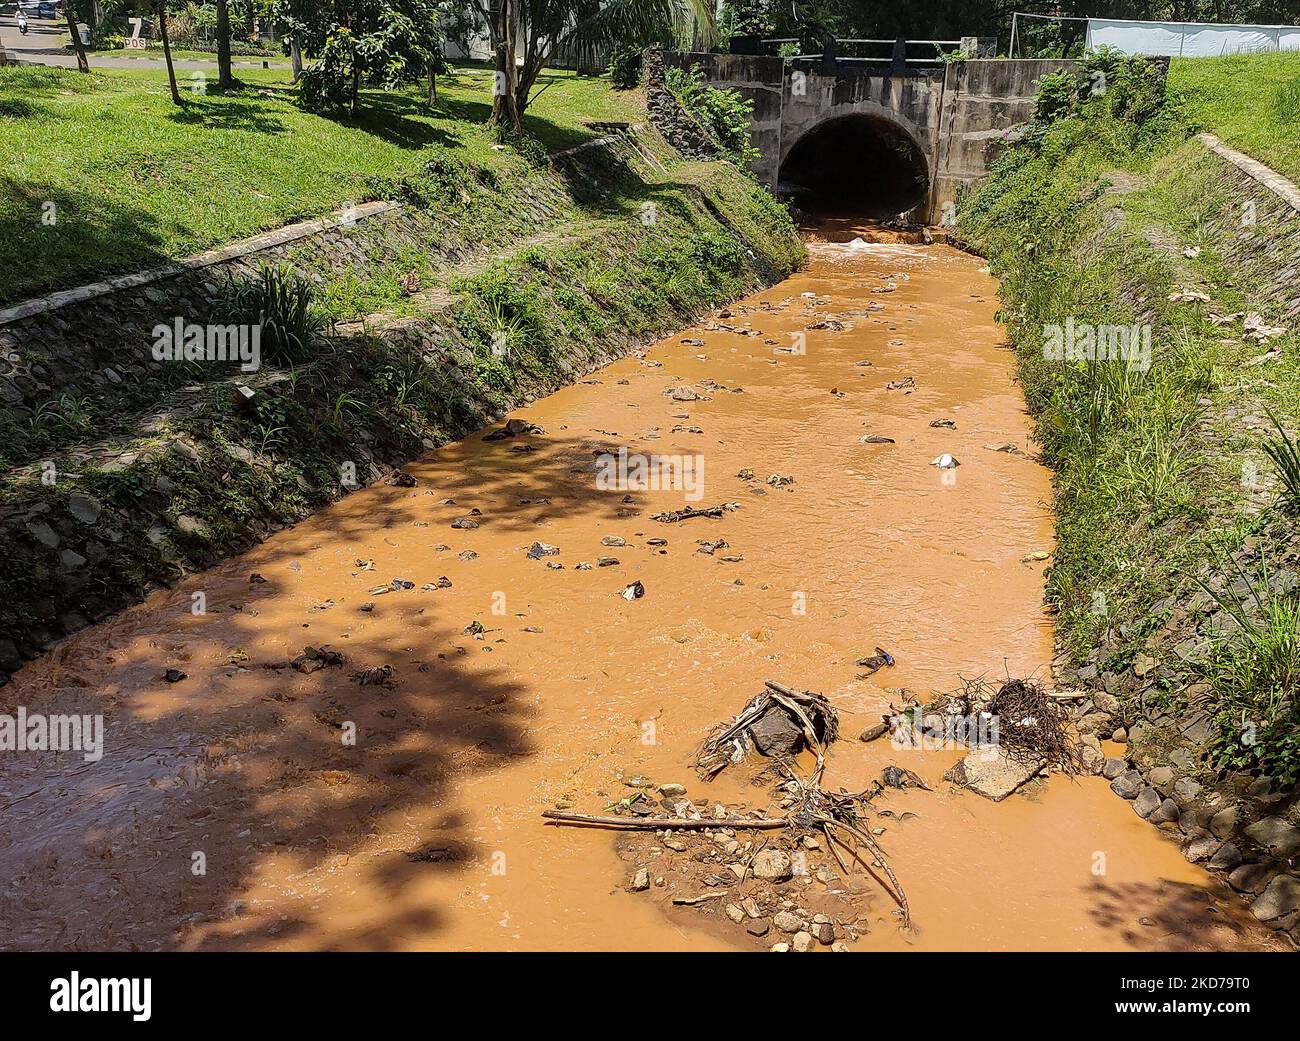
<point>227,812</point>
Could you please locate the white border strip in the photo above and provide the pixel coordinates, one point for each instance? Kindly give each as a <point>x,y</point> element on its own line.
<point>1256,171</point>
<point>242,248</point>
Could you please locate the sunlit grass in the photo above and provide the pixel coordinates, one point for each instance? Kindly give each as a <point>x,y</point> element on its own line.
<point>1248,100</point>
<point>135,181</point>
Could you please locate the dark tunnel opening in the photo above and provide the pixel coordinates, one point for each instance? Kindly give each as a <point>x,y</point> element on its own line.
<point>855,164</point>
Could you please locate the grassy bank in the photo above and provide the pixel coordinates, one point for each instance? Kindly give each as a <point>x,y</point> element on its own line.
<point>1252,101</point>
<point>1174,570</point>
<point>134,181</point>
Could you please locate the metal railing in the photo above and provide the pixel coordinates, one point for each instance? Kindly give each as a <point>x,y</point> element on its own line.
<point>936,48</point>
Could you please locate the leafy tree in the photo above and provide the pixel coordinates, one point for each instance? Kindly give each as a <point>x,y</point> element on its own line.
<point>535,29</point>
<point>461,25</point>
<point>161,9</point>
<point>158,9</point>
<point>385,43</point>
<point>746,18</point>
<point>83,63</point>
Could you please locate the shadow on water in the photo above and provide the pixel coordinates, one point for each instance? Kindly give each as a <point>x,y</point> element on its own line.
<point>1170,916</point>
<point>243,762</point>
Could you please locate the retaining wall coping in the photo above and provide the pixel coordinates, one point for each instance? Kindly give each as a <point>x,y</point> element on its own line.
<point>1255,170</point>
<point>233,251</point>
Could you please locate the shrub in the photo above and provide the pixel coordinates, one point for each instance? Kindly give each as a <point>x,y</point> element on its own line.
<point>1057,95</point>
<point>724,114</point>
<point>1099,69</point>
<point>281,303</point>
<point>1129,88</point>
<point>625,67</point>
<point>326,87</point>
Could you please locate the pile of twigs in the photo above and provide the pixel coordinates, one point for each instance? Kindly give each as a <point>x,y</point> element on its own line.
<point>730,743</point>
<point>838,816</point>
<point>1031,724</point>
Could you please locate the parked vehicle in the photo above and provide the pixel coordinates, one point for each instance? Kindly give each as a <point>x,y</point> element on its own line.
<point>45,9</point>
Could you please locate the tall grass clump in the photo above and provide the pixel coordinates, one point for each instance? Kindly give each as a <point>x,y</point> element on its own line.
<point>1254,671</point>
<point>1119,432</point>
<point>1285,454</point>
<point>282,303</point>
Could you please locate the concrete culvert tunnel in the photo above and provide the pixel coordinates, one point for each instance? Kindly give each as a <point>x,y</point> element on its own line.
<point>856,164</point>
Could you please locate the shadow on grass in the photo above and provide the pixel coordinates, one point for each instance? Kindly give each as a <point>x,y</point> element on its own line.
<point>401,118</point>
<point>226,111</point>
<point>91,237</point>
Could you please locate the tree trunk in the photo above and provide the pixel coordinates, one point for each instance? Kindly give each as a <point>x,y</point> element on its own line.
<point>505,34</point>
<point>167,53</point>
<point>83,64</point>
<point>295,55</point>
<point>225,73</point>
<point>433,84</point>
<point>527,81</point>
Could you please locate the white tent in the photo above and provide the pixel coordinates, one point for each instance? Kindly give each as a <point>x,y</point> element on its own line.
<point>1190,39</point>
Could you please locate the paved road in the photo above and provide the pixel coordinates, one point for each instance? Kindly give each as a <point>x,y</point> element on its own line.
<point>45,41</point>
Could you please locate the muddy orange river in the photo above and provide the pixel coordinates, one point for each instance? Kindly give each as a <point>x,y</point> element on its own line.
<point>229,810</point>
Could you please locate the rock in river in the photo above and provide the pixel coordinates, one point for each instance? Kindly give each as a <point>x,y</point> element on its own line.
<point>994,776</point>
<point>771,865</point>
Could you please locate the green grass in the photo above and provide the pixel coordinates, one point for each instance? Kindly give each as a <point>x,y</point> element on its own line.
<point>1255,673</point>
<point>1251,101</point>
<point>135,181</point>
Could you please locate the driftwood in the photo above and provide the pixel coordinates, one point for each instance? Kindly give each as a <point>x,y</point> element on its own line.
<point>655,823</point>
<point>835,815</point>
<point>687,512</point>
<point>814,715</point>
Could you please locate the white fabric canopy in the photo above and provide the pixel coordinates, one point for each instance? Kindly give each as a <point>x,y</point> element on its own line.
<point>1190,39</point>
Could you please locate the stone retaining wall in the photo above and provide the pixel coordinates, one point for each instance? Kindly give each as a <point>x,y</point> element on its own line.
<point>1241,825</point>
<point>679,127</point>
<point>96,337</point>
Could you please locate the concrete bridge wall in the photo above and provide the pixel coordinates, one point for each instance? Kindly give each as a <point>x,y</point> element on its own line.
<point>955,114</point>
